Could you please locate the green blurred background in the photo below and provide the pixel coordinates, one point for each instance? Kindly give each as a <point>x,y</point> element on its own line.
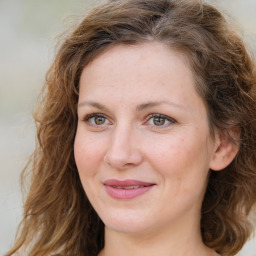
<point>27,39</point>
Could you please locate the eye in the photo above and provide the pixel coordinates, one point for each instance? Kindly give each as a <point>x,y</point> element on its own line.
<point>160,120</point>
<point>96,119</point>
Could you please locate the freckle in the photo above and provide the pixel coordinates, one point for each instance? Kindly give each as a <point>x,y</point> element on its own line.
<point>181,140</point>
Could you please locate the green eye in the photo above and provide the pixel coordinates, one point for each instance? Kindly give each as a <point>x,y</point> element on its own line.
<point>96,120</point>
<point>99,120</point>
<point>158,121</point>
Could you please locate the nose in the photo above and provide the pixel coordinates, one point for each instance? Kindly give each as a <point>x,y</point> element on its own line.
<point>123,150</point>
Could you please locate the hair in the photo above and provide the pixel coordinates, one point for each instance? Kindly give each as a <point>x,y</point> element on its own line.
<point>58,218</point>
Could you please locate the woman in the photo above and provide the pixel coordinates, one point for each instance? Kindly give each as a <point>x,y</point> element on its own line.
<point>147,137</point>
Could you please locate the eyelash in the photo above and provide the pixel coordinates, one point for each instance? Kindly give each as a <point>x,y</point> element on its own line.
<point>93,115</point>
<point>170,120</point>
<point>163,117</point>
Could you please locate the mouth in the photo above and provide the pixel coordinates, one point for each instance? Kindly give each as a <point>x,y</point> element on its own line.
<point>127,189</point>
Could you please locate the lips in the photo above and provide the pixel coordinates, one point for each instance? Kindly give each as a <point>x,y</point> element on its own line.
<point>127,189</point>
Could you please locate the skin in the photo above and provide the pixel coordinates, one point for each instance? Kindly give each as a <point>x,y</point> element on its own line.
<point>117,138</point>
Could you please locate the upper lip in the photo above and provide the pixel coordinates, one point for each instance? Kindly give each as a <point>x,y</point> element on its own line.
<point>127,183</point>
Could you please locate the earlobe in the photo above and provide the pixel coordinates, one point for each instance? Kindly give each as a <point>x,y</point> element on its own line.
<point>226,148</point>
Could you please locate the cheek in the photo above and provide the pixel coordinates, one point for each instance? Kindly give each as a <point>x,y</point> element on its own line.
<point>184,171</point>
<point>182,160</point>
<point>171,152</point>
<point>88,153</point>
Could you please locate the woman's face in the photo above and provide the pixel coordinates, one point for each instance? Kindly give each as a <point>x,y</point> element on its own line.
<point>143,147</point>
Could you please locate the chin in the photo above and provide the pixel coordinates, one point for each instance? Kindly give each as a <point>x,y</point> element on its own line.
<point>126,222</point>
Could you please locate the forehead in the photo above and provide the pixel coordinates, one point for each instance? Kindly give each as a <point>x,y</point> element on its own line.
<point>147,50</point>
<point>151,59</point>
<point>135,74</point>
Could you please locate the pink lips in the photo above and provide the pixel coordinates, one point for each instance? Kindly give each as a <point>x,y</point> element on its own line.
<point>127,189</point>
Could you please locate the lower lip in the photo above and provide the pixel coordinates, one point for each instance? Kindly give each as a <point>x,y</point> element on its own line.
<point>119,193</point>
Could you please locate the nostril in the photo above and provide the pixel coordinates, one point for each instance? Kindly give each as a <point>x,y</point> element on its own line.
<point>121,161</point>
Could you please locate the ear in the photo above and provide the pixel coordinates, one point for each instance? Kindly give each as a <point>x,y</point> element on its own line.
<point>226,148</point>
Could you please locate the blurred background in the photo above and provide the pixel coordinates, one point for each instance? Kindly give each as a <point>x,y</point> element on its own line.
<point>27,39</point>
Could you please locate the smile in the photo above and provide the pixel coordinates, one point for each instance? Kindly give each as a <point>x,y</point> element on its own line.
<point>127,189</point>
<point>130,187</point>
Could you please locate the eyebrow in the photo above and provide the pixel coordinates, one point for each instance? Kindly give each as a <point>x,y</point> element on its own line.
<point>138,107</point>
<point>93,104</point>
<point>157,103</point>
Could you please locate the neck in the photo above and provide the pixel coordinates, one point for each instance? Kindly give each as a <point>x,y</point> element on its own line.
<point>182,240</point>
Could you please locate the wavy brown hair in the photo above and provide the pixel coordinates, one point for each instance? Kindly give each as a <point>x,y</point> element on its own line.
<point>58,218</point>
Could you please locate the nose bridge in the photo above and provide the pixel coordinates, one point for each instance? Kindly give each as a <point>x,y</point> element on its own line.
<point>123,150</point>
<point>120,136</point>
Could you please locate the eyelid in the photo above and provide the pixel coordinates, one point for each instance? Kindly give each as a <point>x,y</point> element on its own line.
<point>168,118</point>
<point>147,118</point>
<point>95,114</point>
<point>88,116</point>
